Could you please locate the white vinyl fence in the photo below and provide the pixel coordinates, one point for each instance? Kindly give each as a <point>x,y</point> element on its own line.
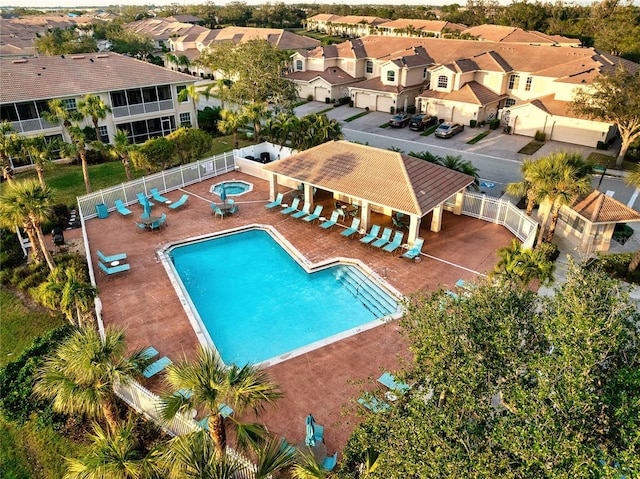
<point>502,212</point>
<point>164,181</point>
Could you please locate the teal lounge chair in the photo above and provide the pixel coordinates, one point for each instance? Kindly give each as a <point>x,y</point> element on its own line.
<point>373,234</point>
<point>183,200</point>
<point>332,221</point>
<point>461,283</point>
<point>313,216</point>
<point>384,239</point>
<point>113,257</point>
<point>390,381</point>
<point>292,208</point>
<point>122,209</point>
<point>157,366</point>
<point>355,224</point>
<point>395,243</point>
<point>414,252</point>
<point>318,432</point>
<point>306,209</point>
<point>275,203</point>
<point>149,353</point>
<point>142,199</point>
<point>157,196</point>
<point>374,404</point>
<point>114,269</point>
<point>330,462</point>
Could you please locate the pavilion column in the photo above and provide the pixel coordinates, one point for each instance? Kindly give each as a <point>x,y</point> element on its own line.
<point>436,221</point>
<point>414,229</point>
<point>605,242</point>
<point>308,193</point>
<point>365,215</point>
<point>587,245</point>
<point>457,208</point>
<point>273,186</point>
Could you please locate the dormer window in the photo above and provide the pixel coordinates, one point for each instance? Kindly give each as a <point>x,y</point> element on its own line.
<point>514,82</point>
<point>298,65</point>
<point>443,81</point>
<point>369,66</point>
<point>391,76</point>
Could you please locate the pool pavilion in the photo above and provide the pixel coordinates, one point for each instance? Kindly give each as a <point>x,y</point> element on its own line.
<point>374,180</point>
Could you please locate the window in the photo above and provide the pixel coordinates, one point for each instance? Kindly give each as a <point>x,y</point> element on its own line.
<point>527,87</point>
<point>70,104</point>
<point>443,81</point>
<point>118,98</point>
<point>140,131</point>
<point>8,112</point>
<point>514,82</point>
<point>164,92</point>
<point>27,110</point>
<point>185,119</point>
<point>298,65</point>
<point>391,76</point>
<point>369,66</point>
<point>179,88</point>
<point>509,102</point>
<point>424,74</point>
<point>134,97</point>
<point>149,94</point>
<point>104,134</point>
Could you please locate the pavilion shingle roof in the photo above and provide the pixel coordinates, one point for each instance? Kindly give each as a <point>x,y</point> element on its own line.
<point>54,77</point>
<point>601,208</point>
<point>381,177</point>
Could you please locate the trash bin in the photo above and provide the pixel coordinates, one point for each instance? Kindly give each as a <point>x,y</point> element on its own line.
<point>57,236</point>
<point>101,210</point>
<point>265,157</point>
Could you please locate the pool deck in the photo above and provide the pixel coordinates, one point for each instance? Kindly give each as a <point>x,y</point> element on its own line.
<point>325,382</point>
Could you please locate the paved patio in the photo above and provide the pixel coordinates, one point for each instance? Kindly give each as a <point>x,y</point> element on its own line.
<point>325,381</point>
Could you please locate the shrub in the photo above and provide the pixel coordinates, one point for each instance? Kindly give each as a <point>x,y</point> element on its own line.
<point>411,109</point>
<point>10,251</point>
<point>351,103</point>
<point>601,145</point>
<point>309,97</point>
<point>494,124</point>
<point>344,100</point>
<point>622,233</point>
<point>550,251</point>
<point>540,136</point>
<point>473,123</point>
<point>392,110</point>
<point>327,100</point>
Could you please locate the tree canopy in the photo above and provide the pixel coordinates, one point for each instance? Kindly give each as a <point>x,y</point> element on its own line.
<point>508,384</point>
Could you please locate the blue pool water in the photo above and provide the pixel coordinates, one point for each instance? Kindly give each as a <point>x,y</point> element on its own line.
<point>257,303</point>
<point>232,187</point>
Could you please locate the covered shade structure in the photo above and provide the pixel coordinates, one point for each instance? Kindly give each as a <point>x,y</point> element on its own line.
<point>376,180</point>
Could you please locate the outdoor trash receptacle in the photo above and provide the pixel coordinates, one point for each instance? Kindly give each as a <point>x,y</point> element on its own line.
<point>102,211</point>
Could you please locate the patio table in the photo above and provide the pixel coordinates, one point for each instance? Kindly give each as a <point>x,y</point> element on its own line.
<point>147,221</point>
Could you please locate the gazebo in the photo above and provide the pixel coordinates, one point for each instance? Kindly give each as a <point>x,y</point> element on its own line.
<point>376,180</point>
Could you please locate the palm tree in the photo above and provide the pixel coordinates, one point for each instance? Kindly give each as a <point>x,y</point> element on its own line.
<point>456,163</point>
<point>211,384</point>
<point>93,107</point>
<point>633,179</point>
<point>523,265</point>
<point>525,187</point>
<point>10,144</point>
<point>115,455</point>
<point>42,152</point>
<point>192,92</point>
<point>255,113</point>
<point>231,122</point>
<point>78,147</point>
<point>80,375</point>
<point>27,204</point>
<point>308,468</point>
<point>122,147</point>
<point>58,113</point>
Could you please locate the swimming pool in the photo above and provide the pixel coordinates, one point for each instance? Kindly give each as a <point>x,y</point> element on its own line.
<point>259,305</point>
<point>232,188</point>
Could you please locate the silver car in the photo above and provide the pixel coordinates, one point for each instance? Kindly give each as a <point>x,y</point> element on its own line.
<point>448,129</point>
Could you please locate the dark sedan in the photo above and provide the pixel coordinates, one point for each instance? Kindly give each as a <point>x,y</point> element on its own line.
<point>400,120</point>
<point>448,129</point>
<point>422,122</point>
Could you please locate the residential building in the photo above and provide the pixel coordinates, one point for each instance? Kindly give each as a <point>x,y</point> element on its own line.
<point>500,33</point>
<point>412,27</point>
<point>143,97</point>
<point>528,86</point>
<point>351,26</point>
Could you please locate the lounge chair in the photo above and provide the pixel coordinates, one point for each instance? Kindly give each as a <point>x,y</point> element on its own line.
<point>122,209</point>
<point>332,221</point>
<point>395,242</point>
<point>461,283</point>
<point>373,234</point>
<point>313,216</point>
<point>355,225</point>
<point>275,203</point>
<point>157,196</point>
<point>384,239</point>
<point>113,257</point>
<point>114,269</point>
<point>149,353</point>
<point>292,208</point>
<point>142,199</point>
<point>159,222</point>
<point>330,462</point>
<point>390,381</point>
<point>374,404</point>
<point>414,252</point>
<point>157,366</point>
<point>318,432</point>
<point>306,209</point>
<point>183,199</point>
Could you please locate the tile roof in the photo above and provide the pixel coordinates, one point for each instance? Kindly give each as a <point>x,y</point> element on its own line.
<point>54,77</point>
<point>409,57</point>
<point>471,92</point>
<point>500,33</point>
<point>377,85</point>
<point>282,39</point>
<point>601,208</point>
<point>423,25</point>
<point>332,75</point>
<point>356,19</point>
<point>323,17</point>
<point>381,177</point>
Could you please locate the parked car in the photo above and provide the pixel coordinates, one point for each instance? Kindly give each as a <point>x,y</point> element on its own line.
<point>422,122</point>
<point>448,129</point>
<point>400,120</point>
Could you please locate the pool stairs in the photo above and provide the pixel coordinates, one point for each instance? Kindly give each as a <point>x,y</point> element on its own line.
<point>372,296</point>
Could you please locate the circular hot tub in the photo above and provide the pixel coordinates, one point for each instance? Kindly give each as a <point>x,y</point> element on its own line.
<point>232,188</point>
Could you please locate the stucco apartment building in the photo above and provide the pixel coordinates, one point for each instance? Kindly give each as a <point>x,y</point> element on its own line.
<point>143,97</point>
<point>528,86</point>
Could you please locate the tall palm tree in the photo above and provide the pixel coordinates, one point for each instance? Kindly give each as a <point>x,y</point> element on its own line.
<point>78,147</point>
<point>58,113</point>
<point>255,113</point>
<point>211,384</point>
<point>94,108</point>
<point>115,455</point>
<point>10,144</point>
<point>456,163</point>
<point>633,179</point>
<point>525,187</point>
<point>122,147</point>
<point>42,152</point>
<point>80,375</point>
<point>231,122</point>
<point>27,204</point>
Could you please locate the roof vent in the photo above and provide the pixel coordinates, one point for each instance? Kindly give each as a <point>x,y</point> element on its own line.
<point>77,57</point>
<point>104,55</point>
<point>21,60</point>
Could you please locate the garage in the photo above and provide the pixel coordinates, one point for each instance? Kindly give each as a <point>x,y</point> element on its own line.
<point>363,100</point>
<point>384,103</point>
<point>576,135</point>
<point>320,93</point>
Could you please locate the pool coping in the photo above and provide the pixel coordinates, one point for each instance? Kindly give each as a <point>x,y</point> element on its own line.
<point>249,190</point>
<point>202,334</point>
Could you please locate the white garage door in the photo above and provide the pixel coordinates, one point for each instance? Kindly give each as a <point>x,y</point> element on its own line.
<point>321,93</point>
<point>363,100</point>
<point>525,127</point>
<point>576,135</point>
<point>384,104</point>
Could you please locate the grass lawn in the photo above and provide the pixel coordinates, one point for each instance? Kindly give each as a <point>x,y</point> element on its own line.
<point>429,131</point>
<point>325,110</point>
<point>479,137</point>
<point>608,161</point>
<point>531,147</point>
<point>355,117</point>
<point>323,37</point>
<point>384,125</point>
